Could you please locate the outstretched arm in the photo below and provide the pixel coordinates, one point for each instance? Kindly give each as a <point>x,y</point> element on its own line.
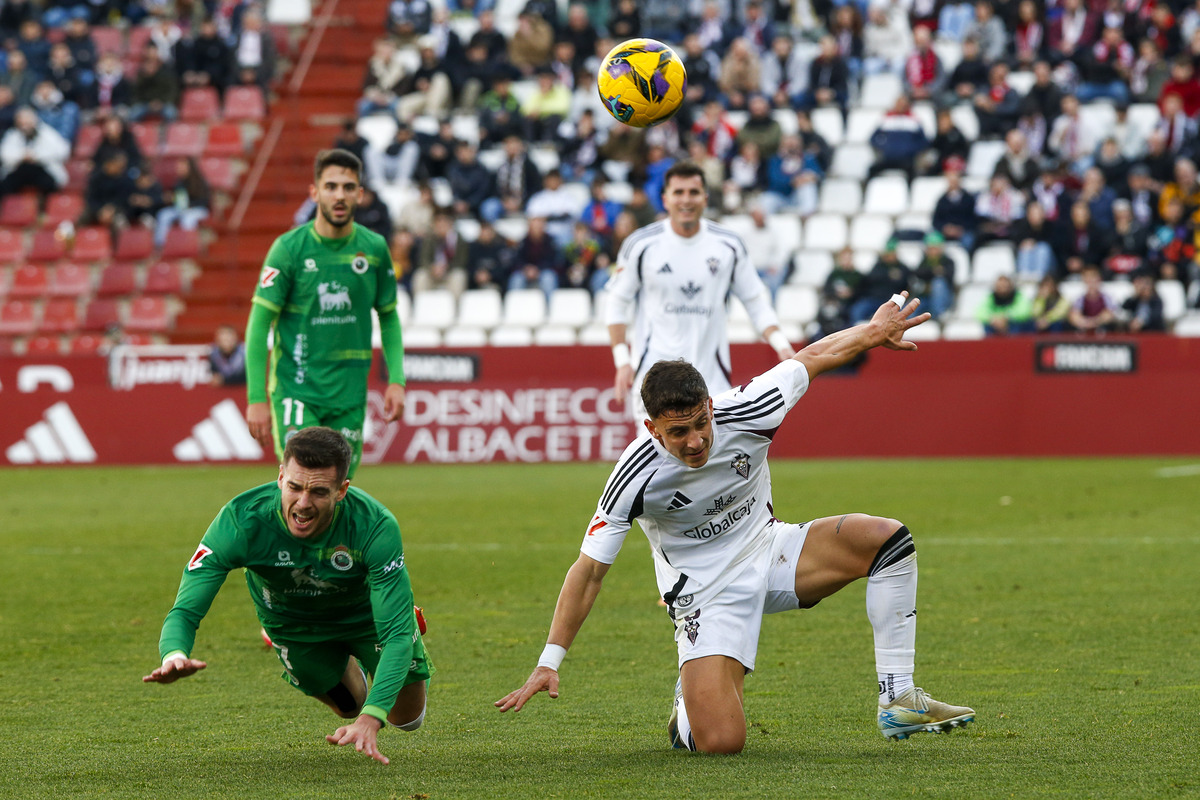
<point>579,591</point>
<point>886,328</point>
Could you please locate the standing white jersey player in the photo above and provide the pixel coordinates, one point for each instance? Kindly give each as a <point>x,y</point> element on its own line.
<point>673,281</point>
<point>701,489</point>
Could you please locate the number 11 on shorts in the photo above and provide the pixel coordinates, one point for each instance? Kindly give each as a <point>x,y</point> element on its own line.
<point>290,406</point>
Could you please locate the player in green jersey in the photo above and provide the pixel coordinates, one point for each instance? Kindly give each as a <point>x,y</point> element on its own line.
<point>325,568</point>
<point>317,288</point>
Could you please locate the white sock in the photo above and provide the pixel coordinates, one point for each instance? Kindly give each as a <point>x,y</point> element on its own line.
<point>891,608</point>
<point>684,726</point>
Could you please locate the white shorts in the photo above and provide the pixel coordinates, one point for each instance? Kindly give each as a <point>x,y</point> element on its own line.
<point>729,624</point>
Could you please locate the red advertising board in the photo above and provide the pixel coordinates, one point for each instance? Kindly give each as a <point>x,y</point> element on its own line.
<point>1020,396</point>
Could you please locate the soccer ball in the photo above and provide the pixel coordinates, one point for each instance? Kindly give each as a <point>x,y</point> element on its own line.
<point>641,82</point>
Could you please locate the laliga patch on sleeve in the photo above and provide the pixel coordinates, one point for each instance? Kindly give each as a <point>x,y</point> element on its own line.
<point>268,277</point>
<point>197,559</point>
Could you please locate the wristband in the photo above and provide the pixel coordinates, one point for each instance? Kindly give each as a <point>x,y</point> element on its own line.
<point>898,299</point>
<point>778,340</point>
<point>621,355</point>
<point>552,656</point>
<point>174,655</point>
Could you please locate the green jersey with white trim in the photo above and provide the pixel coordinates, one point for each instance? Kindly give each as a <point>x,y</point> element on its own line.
<point>330,588</point>
<point>324,290</point>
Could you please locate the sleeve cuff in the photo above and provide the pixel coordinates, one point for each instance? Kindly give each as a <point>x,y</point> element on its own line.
<point>376,712</point>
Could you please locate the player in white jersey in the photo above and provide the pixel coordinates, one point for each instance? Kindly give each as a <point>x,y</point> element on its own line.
<point>673,281</point>
<point>701,489</point>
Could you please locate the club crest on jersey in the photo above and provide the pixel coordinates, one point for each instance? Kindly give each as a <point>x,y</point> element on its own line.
<point>360,264</point>
<point>691,626</point>
<point>341,560</point>
<point>690,290</point>
<point>713,265</point>
<point>310,265</point>
<point>741,464</point>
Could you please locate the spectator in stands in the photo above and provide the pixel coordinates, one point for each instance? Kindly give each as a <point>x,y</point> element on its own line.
<point>19,77</point>
<point>968,78</point>
<point>712,30</point>
<point>1029,36</point>
<point>1054,189</point>
<point>109,187</point>
<point>1098,196</point>
<point>1150,73</point>
<point>500,110</point>
<point>1017,162</point>
<point>1049,308</point>
<point>766,250</point>
<point>8,109</point>
<point>714,172</point>
<point>1177,129</point>
<point>557,204</point>
<point>189,201</point>
<point>828,79</point>
<point>1183,82</point>
<point>999,105</point>
<point>1037,243</point>
<point>783,72</point>
<point>715,131</point>
<point>227,358</point>
<point>517,178</point>
<point>531,44</point>
<point>1072,32</point>
<point>988,29</point>
<point>954,19</point>
<point>580,32</point>
<point>32,41</point>
<point>579,150</point>
<point>441,258</point>
<point>793,179</point>
<point>813,142</point>
<point>113,92</point>
<point>1128,243</point>
<point>600,213</point>
<point>585,266</point>
<point>889,276</point>
<point>115,136</point>
<point>470,182</point>
<point>417,213</point>
<point>545,108</point>
<point>761,127</point>
<point>840,290</point>
<point>492,40</point>
<point>757,28</point>
<point>845,26</point>
<point>1143,311</point>
<point>403,248</point>
<point>948,145</point>
<point>475,76</point>
<point>55,110</point>
<point>998,209</point>
<point>1044,97</point>
<point>490,259</point>
<point>146,200</point>
<point>202,58</point>
<point>78,39</point>
<point>373,213</point>
<point>165,34</point>
<point>1185,187</point>
<point>408,19</point>
<point>741,74</point>
<point>898,140</point>
<point>1113,165</point>
<point>1072,141</point>
<point>73,82</point>
<point>923,72</point>
<point>155,89</point>
<point>626,20</point>
<point>1171,248</point>
<point>428,90</point>
<point>1106,68</point>
<point>887,39</point>
<point>933,278</point>
<point>1159,159</point>
<point>12,14</point>
<point>402,156</point>
<point>1005,310</point>
<point>437,150</point>
<point>1086,243</point>
<point>32,155</point>
<point>384,76</point>
<point>1157,22</point>
<point>538,260</point>
<point>1142,196</point>
<point>954,215</point>
<point>663,19</point>
<point>703,68</point>
<point>1094,311</point>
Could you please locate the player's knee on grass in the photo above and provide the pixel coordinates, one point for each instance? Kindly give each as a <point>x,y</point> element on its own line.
<point>719,739</point>
<point>408,712</point>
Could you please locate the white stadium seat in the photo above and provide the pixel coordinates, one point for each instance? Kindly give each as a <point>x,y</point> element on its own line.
<point>886,194</point>
<point>949,52</point>
<point>786,118</point>
<point>910,253</point>
<point>1119,291</point>
<point>741,332</point>
<point>984,155</point>
<point>929,331</point>
<point>1021,81</point>
<point>1188,324</point>
<point>870,231</point>
<point>416,338</point>
<point>524,308</point>
<point>512,228</point>
<point>927,116</point>
<point>840,196</point>
<point>962,262</point>
<point>796,304</point>
<point>467,228</point>
<point>962,329</point>
<point>915,223</point>
<point>465,337</point>
<point>825,232</point>
<point>511,336</point>
<point>594,334</point>
<point>570,308</point>
<point>403,307</point>
<point>965,120</point>
<point>434,308</point>
<point>992,261</point>
<point>555,335</point>
<point>880,90</point>
<point>861,123</point>
<point>865,260</point>
<point>786,230</point>
<point>1143,118</point>
<point>811,268</point>
<point>491,158</point>
<point>1174,299</point>
<point>480,308</point>
<point>970,300</point>
<point>852,161</point>
<point>828,123</point>
<point>1098,117</point>
<point>925,193</point>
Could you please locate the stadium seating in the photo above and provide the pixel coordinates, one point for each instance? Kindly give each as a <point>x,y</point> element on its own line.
<point>18,210</point>
<point>135,243</point>
<point>200,104</point>
<point>70,280</point>
<point>871,232</point>
<point>46,246</point>
<point>825,232</point>
<point>811,267</point>
<point>117,280</point>
<point>92,243</point>
<point>224,141</point>
<point>149,138</point>
<point>42,346</point>
<point>181,243</point>
<point>244,103</point>
<point>525,308</point>
<point>184,140</point>
<point>840,196</point>
<point>60,316</point>
<point>886,194</point>
<point>12,246</point>
<point>433,309</point>
<point>28,282</point>
<point>85,344</point>
<point>992,261</point>
<point>148,315</point>
<point>18,318</point>
<point>164,277</point>
<point>62,207</point>
<point>480,308</point>
<point>797,304</point>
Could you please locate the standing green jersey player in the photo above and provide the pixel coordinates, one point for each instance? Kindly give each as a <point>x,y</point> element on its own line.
<point>325,568</point>
<point>317,288</point>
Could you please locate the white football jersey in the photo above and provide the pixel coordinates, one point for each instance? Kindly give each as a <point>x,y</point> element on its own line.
<point>701,521</point>
<point>681,287</point>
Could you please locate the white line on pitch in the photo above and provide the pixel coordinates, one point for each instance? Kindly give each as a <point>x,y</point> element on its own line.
<point>1178,472</point>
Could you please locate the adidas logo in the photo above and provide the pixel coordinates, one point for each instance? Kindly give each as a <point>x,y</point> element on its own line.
<point>221,437</point>
<point>665,268</point>
<point>53,440</point>
<point>680,500</point>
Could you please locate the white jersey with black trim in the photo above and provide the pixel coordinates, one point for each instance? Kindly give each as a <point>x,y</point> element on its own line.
<point>701,521</point>
<point>675,291</point>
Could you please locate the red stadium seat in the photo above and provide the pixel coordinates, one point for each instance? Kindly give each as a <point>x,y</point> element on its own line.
<point>19,210</point>
<point>139,38</point>
<point>148,315</point>
<point>200,104</point>
<point>43,346</point>
<point>8,346</point>
<point>18,318</point>
<point>85,344</point>
<point>60,316</point>
<point>117,280</point>
<point>219,173</point>
<point>62,207</point>
<point>108,40</point>
<point>12,246</point>
<point>100,313</point>
<point>78,171</point>
<point>164,277</point>
<point>28,282</point>
<point>224,141</point>
<point>181,244</point>
<point>184,139</point>
<point>149,138</point>
<point>164,170</point>
<point>244,102</point>
<point>87,140</point>
<point>70,280</point>
<point>46,246</point>
<point>135,244</point>
<point>93,243</point>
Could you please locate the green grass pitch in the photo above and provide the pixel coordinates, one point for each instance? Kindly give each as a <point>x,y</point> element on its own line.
<point>1057,597</point>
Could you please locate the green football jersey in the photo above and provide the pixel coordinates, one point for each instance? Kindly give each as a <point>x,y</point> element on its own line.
<point>324,290</point>
<point>344,581</point>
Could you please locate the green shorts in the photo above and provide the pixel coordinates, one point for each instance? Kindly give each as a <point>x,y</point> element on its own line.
<point>316,667</point>
<point>289,415</point>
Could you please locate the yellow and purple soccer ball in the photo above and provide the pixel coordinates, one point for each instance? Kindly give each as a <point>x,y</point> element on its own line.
<point>641,82</point>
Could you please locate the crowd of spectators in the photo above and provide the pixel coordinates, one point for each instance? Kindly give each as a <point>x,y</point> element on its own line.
<point>1066,195</point>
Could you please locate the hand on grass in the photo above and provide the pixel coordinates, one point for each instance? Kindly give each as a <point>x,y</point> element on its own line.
<point>362,734</point>
<point>543,679</point>
<point>173,669</point>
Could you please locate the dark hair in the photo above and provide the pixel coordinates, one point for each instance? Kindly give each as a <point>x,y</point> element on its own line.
<point>319,448</point>
<point>684,169</point>
<point>672,386</point>
<point>337,157</point>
